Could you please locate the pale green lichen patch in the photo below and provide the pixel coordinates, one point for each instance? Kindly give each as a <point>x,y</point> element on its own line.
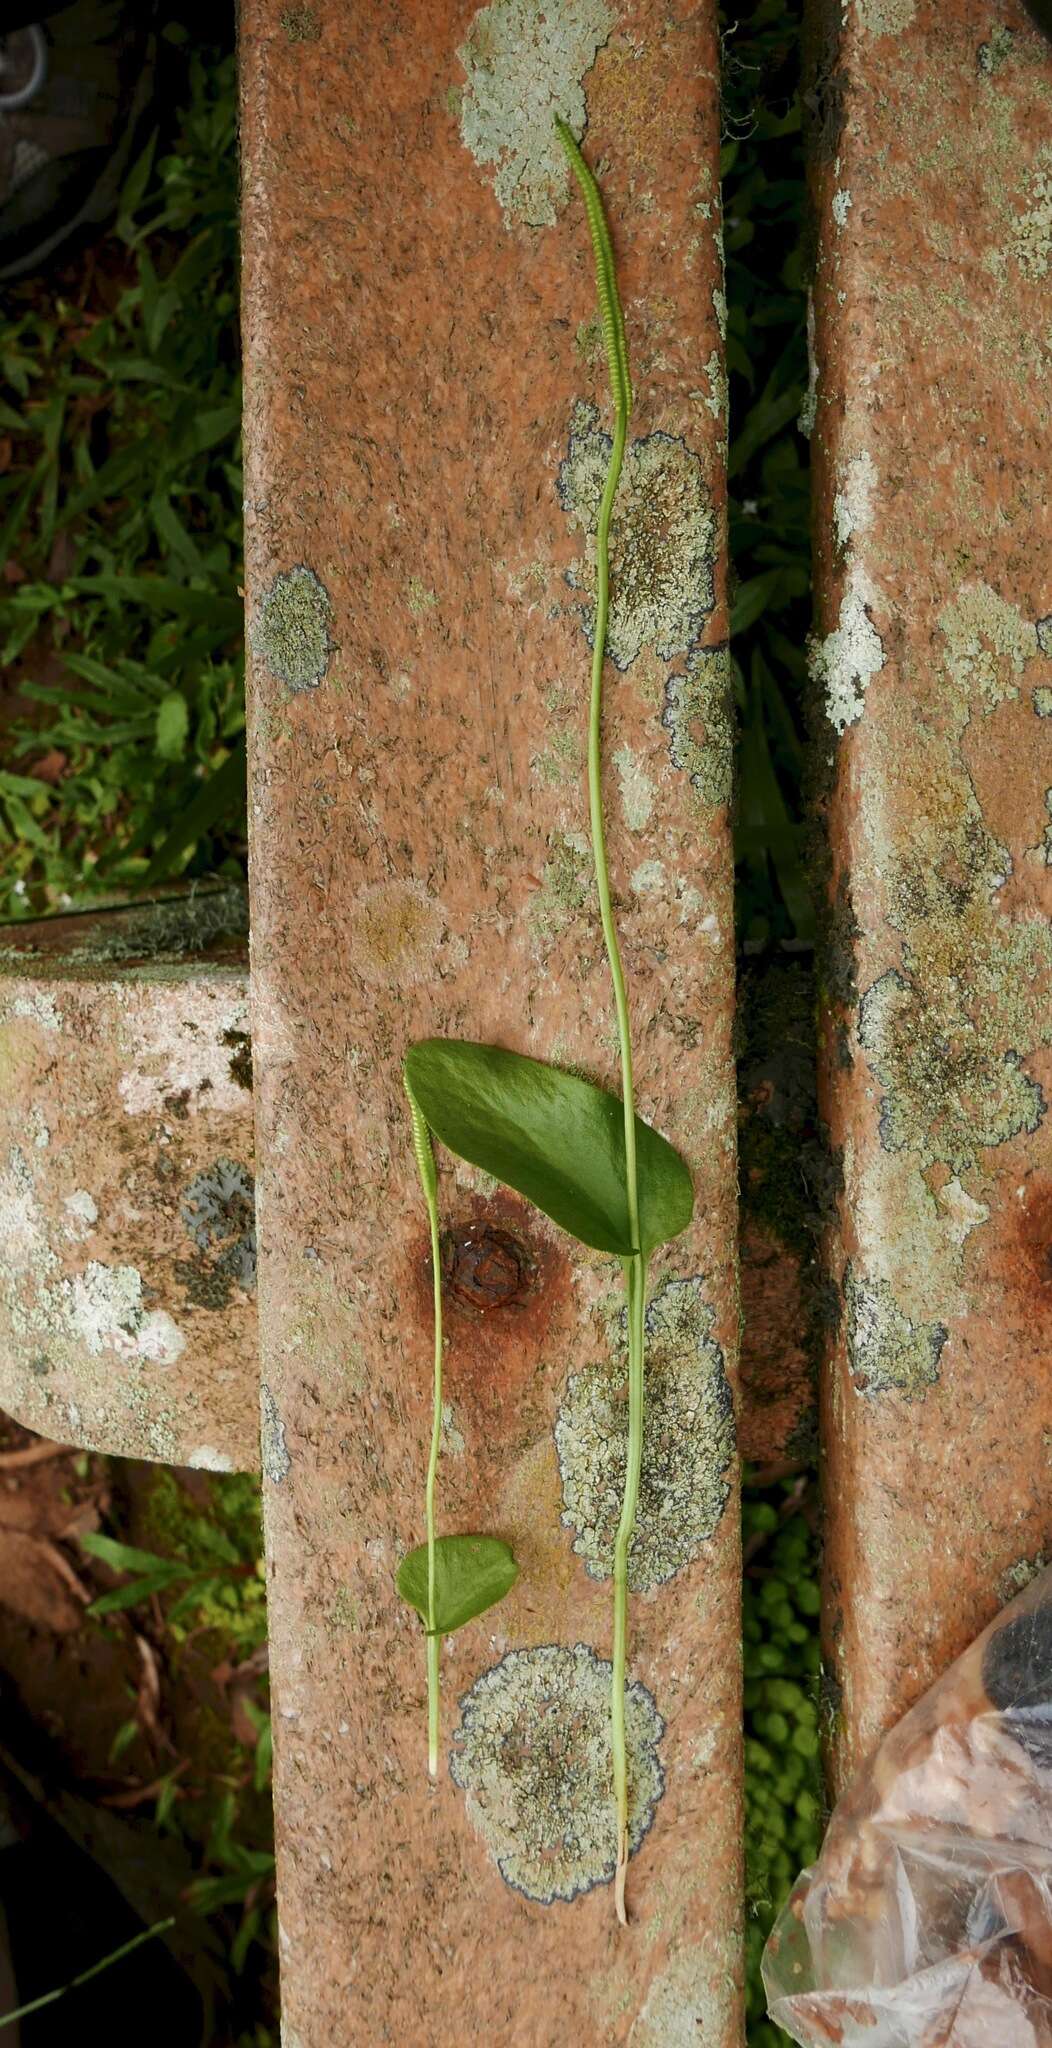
<point>524,62</point>
<point>688,1442</point>
<point>1043,702</point>
<point>1032,231</point>
<point>844,663</point>
<point>948,1032</point>
<point>532,1755</point>
<point>292,630</point>
<point>854,501</point>
<point>662,538</point>
<point>1043,629</point>
<point>988,643</point>
<point>419,598</point>
<point>637,789</point>
<point>108,1313</point>
<point>948,1089</point>
<point>886,1350</point>
<point>690,2003</point>
<point>566,883</point>
<point>699,720</point>
<point>274,1452</point>
<point>885,17</point>
<point>716,403</point>
<point>588,340</point>
<point>1022,1574</point>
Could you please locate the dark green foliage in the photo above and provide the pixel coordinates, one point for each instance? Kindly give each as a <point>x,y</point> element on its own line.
<point>120,524</point>
<point>764,214</point>
<point>554,1138</point>
<point>783,1785</point>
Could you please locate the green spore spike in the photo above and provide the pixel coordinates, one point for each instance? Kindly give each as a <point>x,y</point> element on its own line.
<point>425,1161</point>
<point>611,314</point>
<point>635,1266</point>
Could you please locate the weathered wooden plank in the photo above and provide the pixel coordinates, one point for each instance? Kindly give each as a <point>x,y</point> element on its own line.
<point>422,447</point>
<point>933,447</point>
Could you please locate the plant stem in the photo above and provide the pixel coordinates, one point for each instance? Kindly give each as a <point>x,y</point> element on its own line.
<point>49,1997</point>
<point>635,1291</point>
<point>635,1268</point>
<point>425,1160</point>
<point>433,1642</point>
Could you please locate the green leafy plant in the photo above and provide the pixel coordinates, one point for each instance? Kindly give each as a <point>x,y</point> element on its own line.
<point>240,1876</point>
<point>448,1580</point>
<point>121,532</point>
<point>577,1152</point>
<point>209,1591</point>
<point>784,1799</point>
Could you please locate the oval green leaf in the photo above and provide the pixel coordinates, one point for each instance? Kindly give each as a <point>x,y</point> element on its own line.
<point>554,1138</point>
<point>471,1574</point>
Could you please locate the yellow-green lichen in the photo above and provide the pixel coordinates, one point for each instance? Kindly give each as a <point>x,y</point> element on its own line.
<point>991,55</point>
<point>566,883</point>
<point>1032,233</point>
<point>292,630</point>
<point>524,62</point>
<point>885,1348</point>
<point>688,1442</point>
<point>699,720</point>
<point>419,598</point>
<point>662,539</point>
<point>588,340</point>
<point>532,1755</point>
<point>301,25</point>
<point>1018,1576</point>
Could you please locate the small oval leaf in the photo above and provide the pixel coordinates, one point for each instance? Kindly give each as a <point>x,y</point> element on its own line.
<point>554,1138</point>
<point>471,1574</point>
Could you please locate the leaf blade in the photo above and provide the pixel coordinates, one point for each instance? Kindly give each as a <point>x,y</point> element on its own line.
<point>556,1139</point>
<point>471,1574</point>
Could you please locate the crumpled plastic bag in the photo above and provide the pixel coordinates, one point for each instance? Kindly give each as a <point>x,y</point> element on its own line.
<point>927,1920</point>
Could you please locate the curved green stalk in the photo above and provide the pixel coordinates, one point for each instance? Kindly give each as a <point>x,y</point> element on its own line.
<point>425,1160</point>
<point>635,1267</point>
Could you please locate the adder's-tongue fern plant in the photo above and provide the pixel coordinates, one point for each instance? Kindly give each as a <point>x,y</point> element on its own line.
<point>635,1266</point>
<point>578,1153</point>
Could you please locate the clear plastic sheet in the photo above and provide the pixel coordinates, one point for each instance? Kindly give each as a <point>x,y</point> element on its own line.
<point>927,1920</point>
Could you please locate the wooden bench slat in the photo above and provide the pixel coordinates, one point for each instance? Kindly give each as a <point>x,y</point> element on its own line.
<point>127,1246</point>
<point>933,449</point>
<point>422,367</point>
